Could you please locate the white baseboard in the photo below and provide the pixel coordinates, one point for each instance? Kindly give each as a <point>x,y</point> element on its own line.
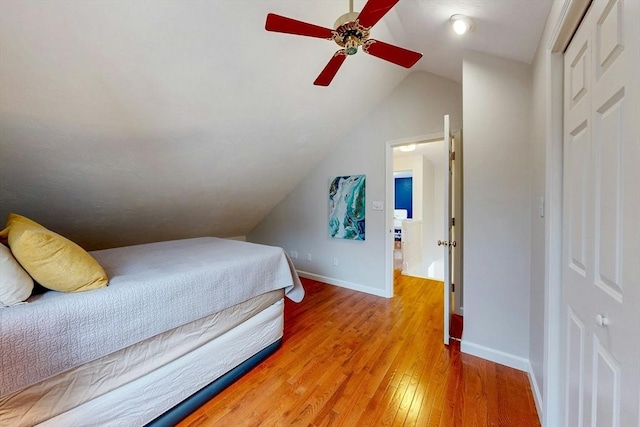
<point>343,284</point>
<point>537,396</point>
<point>493,355</point>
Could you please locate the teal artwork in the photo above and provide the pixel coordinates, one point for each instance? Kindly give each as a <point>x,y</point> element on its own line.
<point>347,207</point>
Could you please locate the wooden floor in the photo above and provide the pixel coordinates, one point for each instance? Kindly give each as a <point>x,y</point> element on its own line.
<point>352,359</point>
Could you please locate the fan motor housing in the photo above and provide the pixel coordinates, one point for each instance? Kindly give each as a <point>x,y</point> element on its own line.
<point>349,34</point>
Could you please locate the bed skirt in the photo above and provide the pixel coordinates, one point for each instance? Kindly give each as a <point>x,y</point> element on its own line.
<point>168,391</point>
<point>143,400</point>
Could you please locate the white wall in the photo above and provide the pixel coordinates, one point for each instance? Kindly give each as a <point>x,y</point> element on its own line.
<point>497,208</point>
<point>428,211</point>
<point>436,253</point>
<point>299,222</point>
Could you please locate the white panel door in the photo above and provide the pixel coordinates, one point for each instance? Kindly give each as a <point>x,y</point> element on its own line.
<point>447,228</point>
<point>456,227</point>
<point>601,223</point>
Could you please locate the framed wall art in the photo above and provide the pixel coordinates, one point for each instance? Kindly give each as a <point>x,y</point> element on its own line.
<point>347,205</point>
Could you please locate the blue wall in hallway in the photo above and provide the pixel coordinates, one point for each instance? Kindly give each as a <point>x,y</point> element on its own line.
<point>404,200</point>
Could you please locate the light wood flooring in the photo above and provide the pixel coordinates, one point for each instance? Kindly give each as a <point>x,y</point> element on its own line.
<point>353,359</point>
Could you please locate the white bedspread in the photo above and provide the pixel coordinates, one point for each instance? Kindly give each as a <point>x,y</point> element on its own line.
<point>152,288</point>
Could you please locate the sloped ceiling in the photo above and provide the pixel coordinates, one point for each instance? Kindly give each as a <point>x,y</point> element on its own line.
<point>135,121</point>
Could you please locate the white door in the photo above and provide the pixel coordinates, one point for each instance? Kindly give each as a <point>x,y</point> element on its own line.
<point>447,228</point>
<point>456,222</point>
<point>601,218</point>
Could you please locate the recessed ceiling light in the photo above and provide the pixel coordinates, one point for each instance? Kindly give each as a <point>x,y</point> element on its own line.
<point>409,147</point>
<point>461,24</point>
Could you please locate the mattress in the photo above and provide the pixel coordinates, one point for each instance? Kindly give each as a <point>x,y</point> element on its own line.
<point>200,347</point>
<point>153,288</point>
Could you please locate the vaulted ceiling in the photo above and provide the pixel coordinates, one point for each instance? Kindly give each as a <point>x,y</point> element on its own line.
<point>131,121</point>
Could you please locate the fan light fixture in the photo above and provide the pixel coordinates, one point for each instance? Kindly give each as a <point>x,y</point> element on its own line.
<point>407,148</point>
<point>461,24</point>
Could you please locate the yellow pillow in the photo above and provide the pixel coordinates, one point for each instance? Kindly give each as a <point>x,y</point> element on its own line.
<point>52,260</point>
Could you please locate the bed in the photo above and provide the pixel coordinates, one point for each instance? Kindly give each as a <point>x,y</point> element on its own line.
<point>178,322</point>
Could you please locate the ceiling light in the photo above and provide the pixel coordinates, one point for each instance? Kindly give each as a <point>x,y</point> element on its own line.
<point>461,24</point>
<point>407,148</point>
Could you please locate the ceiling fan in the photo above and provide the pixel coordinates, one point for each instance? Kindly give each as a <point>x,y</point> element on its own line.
<point>351,31</point>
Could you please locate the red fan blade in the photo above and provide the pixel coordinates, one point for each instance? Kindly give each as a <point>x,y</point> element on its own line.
<point>388,52</point>
<point>374,10</point>
<point>282,24</point>
<point>331,69</point>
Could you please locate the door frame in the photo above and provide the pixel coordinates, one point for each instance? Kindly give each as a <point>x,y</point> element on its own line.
<point>388,220</point>
<point>565,26</point>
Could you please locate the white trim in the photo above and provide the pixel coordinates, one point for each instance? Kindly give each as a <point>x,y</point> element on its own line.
<point>388,220</point>
<point>420,139</point>
<point>493,355</point>
<point>537,397</point>
<point>240,238</point>
<point>570,17</point>
<point>552,367</point>
<point>343,284</point>
<point>552,391</point>
<point>555,38</point>
<point>435,279</point>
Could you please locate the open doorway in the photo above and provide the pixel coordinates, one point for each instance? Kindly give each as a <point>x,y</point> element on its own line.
<point>419,209</point>
<point>430,237</point>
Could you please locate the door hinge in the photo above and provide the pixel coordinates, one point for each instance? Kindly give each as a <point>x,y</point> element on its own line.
<point>453,222</point>
<point>453,155</point>
<point>453,287</point>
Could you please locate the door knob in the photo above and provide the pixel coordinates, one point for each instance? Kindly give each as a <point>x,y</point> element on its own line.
<point>443,243</point>
<point>602,321</point>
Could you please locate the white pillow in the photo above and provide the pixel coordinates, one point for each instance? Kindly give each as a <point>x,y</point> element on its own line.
<point>15,283</point>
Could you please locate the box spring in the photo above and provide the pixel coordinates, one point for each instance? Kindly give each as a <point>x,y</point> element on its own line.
<point>137,384</point>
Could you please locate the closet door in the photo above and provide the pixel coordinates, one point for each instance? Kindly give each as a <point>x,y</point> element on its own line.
<point>601,224</point>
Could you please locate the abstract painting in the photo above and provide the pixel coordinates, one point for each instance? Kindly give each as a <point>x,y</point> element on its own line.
<point>347,207</point>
